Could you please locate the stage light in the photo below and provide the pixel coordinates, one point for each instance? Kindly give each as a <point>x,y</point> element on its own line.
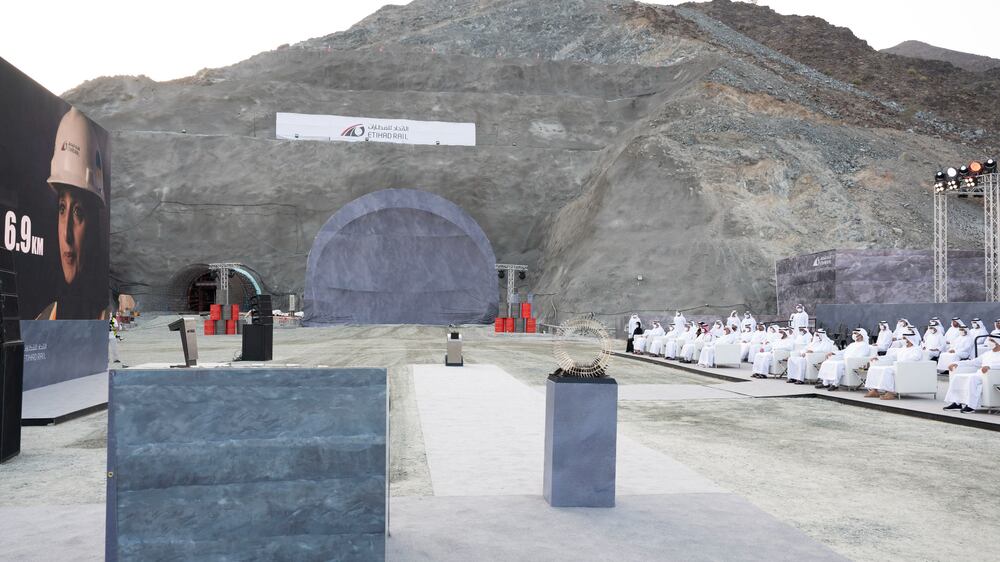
<point>975,167</point>
<point>952,174</point>
<point>521,275</point>
<point>939,179</point>
<point>500,274</point>
<point>990,167</point>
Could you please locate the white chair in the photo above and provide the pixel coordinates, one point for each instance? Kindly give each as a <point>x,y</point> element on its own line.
<point>727,354</point>
<point>813,360</point>
<point>853,367</point>
<point>779,362</point>
<point>991,396</point>
<point>916,377</point>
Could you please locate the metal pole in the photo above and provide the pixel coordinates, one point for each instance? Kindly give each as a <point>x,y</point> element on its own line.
<point>991,236</point>
<point>940,247</point>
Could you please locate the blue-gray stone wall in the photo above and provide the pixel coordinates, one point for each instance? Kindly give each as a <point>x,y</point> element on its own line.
<point>400,256</point>
<point>247,464</point>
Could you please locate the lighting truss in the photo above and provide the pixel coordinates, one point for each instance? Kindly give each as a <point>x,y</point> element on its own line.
<point>509,270</point>
<point>986,186</point>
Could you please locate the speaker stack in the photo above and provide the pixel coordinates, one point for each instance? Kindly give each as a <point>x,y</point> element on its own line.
<point>11,360</point>
<point>258,335</point>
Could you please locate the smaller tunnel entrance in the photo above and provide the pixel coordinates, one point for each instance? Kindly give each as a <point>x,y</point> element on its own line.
<point>196,287</point>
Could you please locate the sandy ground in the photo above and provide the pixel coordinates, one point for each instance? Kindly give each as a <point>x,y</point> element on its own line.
<point>872,485</point>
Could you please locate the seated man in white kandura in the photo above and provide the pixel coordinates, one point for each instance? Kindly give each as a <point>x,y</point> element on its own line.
<point>884,338</point>
<point>797,362</point>
<point>745,336</point>
<point>688,351</point>
<point>933,343</point>
<point>672,346</point>
<point>764,357</point>
<point>961,348</point>
<point>656,345</point>
<point>881,380</point>
<point>832,370</point>
<point>758,338</point>
<point>965,390</point>
<point>707,356</point>
<point>642,342</point>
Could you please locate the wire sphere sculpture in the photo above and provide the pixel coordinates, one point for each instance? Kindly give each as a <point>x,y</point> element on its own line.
<point>582,348</point>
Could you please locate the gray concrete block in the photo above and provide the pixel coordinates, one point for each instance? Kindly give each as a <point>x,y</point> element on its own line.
<point>247,464</point>
<point>581,429</point>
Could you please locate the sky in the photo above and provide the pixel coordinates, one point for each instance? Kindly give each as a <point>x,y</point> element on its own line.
<point>167,40</point>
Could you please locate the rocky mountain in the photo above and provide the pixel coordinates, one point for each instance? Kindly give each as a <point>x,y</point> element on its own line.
<point>693,145</point>
<point>921,50</point>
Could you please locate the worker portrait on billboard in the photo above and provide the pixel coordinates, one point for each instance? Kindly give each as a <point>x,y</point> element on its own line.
<point>54,195</point>
<point>76,182</point>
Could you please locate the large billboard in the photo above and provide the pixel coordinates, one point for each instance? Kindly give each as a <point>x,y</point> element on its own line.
<point>54,218</point>
<point>301,126</point>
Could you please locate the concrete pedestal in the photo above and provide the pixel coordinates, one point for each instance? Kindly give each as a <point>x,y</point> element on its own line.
<point>581,428</point>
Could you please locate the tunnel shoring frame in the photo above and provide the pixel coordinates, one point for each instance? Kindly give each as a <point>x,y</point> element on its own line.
<point>987,187</point>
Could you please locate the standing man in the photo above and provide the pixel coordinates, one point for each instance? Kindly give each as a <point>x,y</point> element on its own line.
<point>633,324</point>
<point>799,318</point>
<point>113,338</point>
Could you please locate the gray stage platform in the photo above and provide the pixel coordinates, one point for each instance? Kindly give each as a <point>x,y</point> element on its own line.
<point>64,401</point>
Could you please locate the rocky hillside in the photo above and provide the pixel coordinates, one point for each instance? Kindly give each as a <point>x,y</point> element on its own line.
<point>693,145</point>
<point>931,96</point>
<point>965,61</point>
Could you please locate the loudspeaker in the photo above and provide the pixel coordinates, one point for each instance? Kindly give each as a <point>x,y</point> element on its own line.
<point>10,325</point>
<point>257,342</point>
<point>11,386</point>
<point>261,311</point>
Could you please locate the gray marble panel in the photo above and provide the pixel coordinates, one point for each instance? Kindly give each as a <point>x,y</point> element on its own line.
<point>873,277</point>
<point>581,427</point>
<point>400,256</point>
<point>60,350</point>
<point>242,464</point>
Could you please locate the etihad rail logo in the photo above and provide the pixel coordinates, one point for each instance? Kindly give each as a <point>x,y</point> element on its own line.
<point>354,131</point>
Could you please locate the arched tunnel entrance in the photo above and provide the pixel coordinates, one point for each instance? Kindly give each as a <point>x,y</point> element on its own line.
<point>195,287</point>
<point>400,256</point>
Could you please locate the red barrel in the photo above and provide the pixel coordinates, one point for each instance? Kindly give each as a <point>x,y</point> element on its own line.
<point>529,325</point>
<point>209,327</point>
<point>525,310</point>
<point>215,311</point>
<point>509,325</point>
<point>230,327</point>
<point>498,326</point>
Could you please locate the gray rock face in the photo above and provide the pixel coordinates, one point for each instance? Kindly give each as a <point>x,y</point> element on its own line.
<point>613,140</point>
<point>400,256</point>
<point>247,464</point>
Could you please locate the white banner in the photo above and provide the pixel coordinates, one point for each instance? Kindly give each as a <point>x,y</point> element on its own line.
<point>300,126</point>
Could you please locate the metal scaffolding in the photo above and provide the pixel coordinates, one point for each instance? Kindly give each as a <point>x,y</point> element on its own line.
<point>222,271</point>
<point>508,270</point>
<point>988,188</point>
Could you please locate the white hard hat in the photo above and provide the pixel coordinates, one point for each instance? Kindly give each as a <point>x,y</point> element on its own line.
<point>77,160</point>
